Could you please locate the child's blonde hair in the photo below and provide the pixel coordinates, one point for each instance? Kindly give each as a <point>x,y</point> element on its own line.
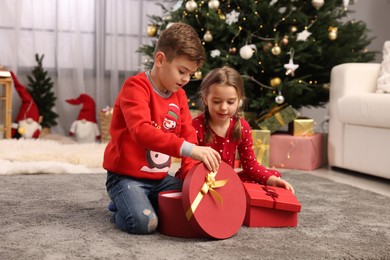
<point>181,39</point>
<point>223,76</point>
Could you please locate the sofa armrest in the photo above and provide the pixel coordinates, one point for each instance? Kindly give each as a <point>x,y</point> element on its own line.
<point>346,79</point>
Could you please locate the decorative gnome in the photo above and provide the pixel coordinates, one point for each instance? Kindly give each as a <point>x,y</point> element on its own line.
<point>85,128</point>
<point>28,119</point>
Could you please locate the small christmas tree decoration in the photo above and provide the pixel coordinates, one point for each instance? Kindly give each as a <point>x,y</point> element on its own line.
<point>208,37</point>
<point>246,51</point>
<point>198,74</point>
<point>275,82</point>
<point>152,30</point>
<point>317,3</point>
<point>40,88</point>
<point>276,50</point>
<point>285,40</point>
<point>290,66</point>
<point>233,50</point>
<point>332,33</point>
<point>214,4</point>
<point>279,98</point>
<point>191,6</point>
<point>302,36</point>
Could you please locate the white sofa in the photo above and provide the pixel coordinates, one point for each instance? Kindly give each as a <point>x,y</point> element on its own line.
<point>359,120</point>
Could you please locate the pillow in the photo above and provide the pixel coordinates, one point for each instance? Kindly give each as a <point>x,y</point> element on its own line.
<point>383,82</point>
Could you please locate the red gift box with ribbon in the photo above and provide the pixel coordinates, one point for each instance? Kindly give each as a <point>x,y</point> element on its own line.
<point>270,206</point>
<point>211,205</point>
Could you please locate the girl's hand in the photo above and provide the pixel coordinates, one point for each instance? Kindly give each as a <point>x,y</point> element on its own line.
<point>278,182</point>
<point>208,156</point>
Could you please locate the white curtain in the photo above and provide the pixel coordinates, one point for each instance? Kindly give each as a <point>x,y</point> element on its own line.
<point>89,46</point>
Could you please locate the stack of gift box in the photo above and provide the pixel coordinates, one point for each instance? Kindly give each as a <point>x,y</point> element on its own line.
<point>298,148</point>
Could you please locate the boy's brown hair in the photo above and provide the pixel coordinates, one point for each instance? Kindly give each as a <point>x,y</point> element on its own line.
<point>181,39</point>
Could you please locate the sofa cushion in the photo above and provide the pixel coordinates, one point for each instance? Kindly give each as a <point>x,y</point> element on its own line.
<point>383,82</point>
<point>370,109</point>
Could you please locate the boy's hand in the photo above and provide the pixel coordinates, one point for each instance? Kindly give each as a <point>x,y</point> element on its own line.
<point>278,182</point>
<point>207,155</point>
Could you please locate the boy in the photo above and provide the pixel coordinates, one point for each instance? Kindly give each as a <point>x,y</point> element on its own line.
<point>150,123</point>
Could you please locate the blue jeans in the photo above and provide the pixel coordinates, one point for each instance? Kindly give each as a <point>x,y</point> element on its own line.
<point>137,201</point>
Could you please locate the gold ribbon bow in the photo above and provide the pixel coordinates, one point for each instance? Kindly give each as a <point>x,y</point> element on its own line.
<point>262,148</point>
<point>274,112</point>
<point>208,186</point>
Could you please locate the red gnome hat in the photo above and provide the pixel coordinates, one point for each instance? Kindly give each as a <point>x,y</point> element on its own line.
<point>28,108</point>
<point>88,111</point>
<point>173,112</point>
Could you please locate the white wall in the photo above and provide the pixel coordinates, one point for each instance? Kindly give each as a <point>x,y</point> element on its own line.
<point>376,14</point>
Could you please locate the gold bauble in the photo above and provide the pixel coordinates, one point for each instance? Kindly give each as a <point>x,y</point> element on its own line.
<point>233,50</point>
<point>214,4</point>
<point>222,16</point>
<point>208,37</point>
<point>191,6</point>
<point>198,74</point>
<point>275,82</point>
<point>151,30</point>
<point>332,33</point>
<point>276,50</point>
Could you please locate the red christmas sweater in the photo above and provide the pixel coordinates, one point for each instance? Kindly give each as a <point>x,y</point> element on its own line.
<point>147,128</point>
<point>252,170</point>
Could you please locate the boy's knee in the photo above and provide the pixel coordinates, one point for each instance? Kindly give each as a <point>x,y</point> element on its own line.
<point>145,223</point>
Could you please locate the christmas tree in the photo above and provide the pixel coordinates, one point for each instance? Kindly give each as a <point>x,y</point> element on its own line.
<point>40,88</point>
<point>284,49</point>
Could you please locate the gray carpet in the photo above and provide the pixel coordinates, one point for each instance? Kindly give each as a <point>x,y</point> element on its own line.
<point>65,217</point>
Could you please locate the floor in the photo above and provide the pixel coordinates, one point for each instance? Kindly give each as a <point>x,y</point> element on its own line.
<point>363,181</point>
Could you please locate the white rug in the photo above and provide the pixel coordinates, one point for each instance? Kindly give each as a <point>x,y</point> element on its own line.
<point>35,156</point>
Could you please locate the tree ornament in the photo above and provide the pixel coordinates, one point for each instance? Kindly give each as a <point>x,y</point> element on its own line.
<point>246,51</point>
<point>222,16</point>
<point>191,6</point>
<point>208,37</point>
<point>290,66</point>
<point>232,17</point>
<point>276,50</point>
<point>214,4</point>
<point>279,99</point>
<point>152,30</point>
<point>285,40</point>
<point>302,36</point>
<point>275,82</point>
<point>317,3</point>
<point>233,50</point>
<point>198,74</point>
<point>332,33</point>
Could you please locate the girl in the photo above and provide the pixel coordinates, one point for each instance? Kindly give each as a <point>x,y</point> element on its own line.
<point>221,127</point>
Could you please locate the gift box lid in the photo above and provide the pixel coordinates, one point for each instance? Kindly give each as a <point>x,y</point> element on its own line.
<point>271,197</point>
<point>214,202</point>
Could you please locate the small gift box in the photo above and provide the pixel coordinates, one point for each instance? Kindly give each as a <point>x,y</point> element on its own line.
<point>270,206</point>
<point>261,145</point>
<point>296,152</point>
<point>211,205</point>
<point>276,118</point>
<point>105,116</point>
<point>302,127</point>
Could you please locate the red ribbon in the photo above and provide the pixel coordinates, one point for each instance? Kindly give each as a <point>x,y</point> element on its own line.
<point>272,193</point>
